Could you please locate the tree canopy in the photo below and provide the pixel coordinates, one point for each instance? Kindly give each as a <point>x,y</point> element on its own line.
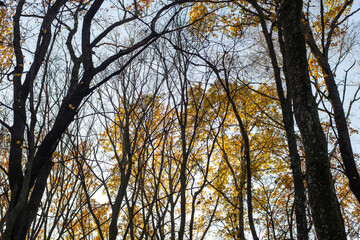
<point>179,119</point>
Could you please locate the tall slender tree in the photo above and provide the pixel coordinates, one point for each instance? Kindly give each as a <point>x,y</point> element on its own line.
<point>323,201</point>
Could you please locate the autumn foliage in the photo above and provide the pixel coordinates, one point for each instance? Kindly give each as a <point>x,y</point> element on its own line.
<point>157,119</point>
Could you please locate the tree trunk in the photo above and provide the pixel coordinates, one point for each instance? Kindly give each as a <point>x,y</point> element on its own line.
<point>346,151</point>
<point>285,102</point>
<point>326,213</point>
<point>245,137</point>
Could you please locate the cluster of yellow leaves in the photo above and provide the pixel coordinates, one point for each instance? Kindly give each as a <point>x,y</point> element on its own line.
<point>317,74</point>
<point>314,68</point>
<point>139,6</point>
<point>202,19</point>
<point>227,170</point>
<point>331,10</point>
<point>6,50</point>
<point>231,18</point>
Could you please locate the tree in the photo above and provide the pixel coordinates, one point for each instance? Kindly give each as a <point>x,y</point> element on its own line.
<point>236,29</point>
<point>330,28</point>
<point>323,201</point>
<point>27,187</point>
<point>286,106</point>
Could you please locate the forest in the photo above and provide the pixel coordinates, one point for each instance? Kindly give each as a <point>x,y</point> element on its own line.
<point>179,119</point>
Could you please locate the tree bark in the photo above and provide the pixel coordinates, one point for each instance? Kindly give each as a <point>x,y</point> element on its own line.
<point>326,213</point>
<point>344,141</point>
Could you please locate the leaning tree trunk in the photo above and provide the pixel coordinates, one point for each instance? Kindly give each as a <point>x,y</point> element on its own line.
<point>344,141</point>
<point>326,213</point>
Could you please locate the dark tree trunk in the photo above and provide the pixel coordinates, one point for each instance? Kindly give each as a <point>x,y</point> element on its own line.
<point>288,120</point>
<point>339,115</point>
<point>285,102</point>
<point>241,232</point>
<point>326,213</point>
